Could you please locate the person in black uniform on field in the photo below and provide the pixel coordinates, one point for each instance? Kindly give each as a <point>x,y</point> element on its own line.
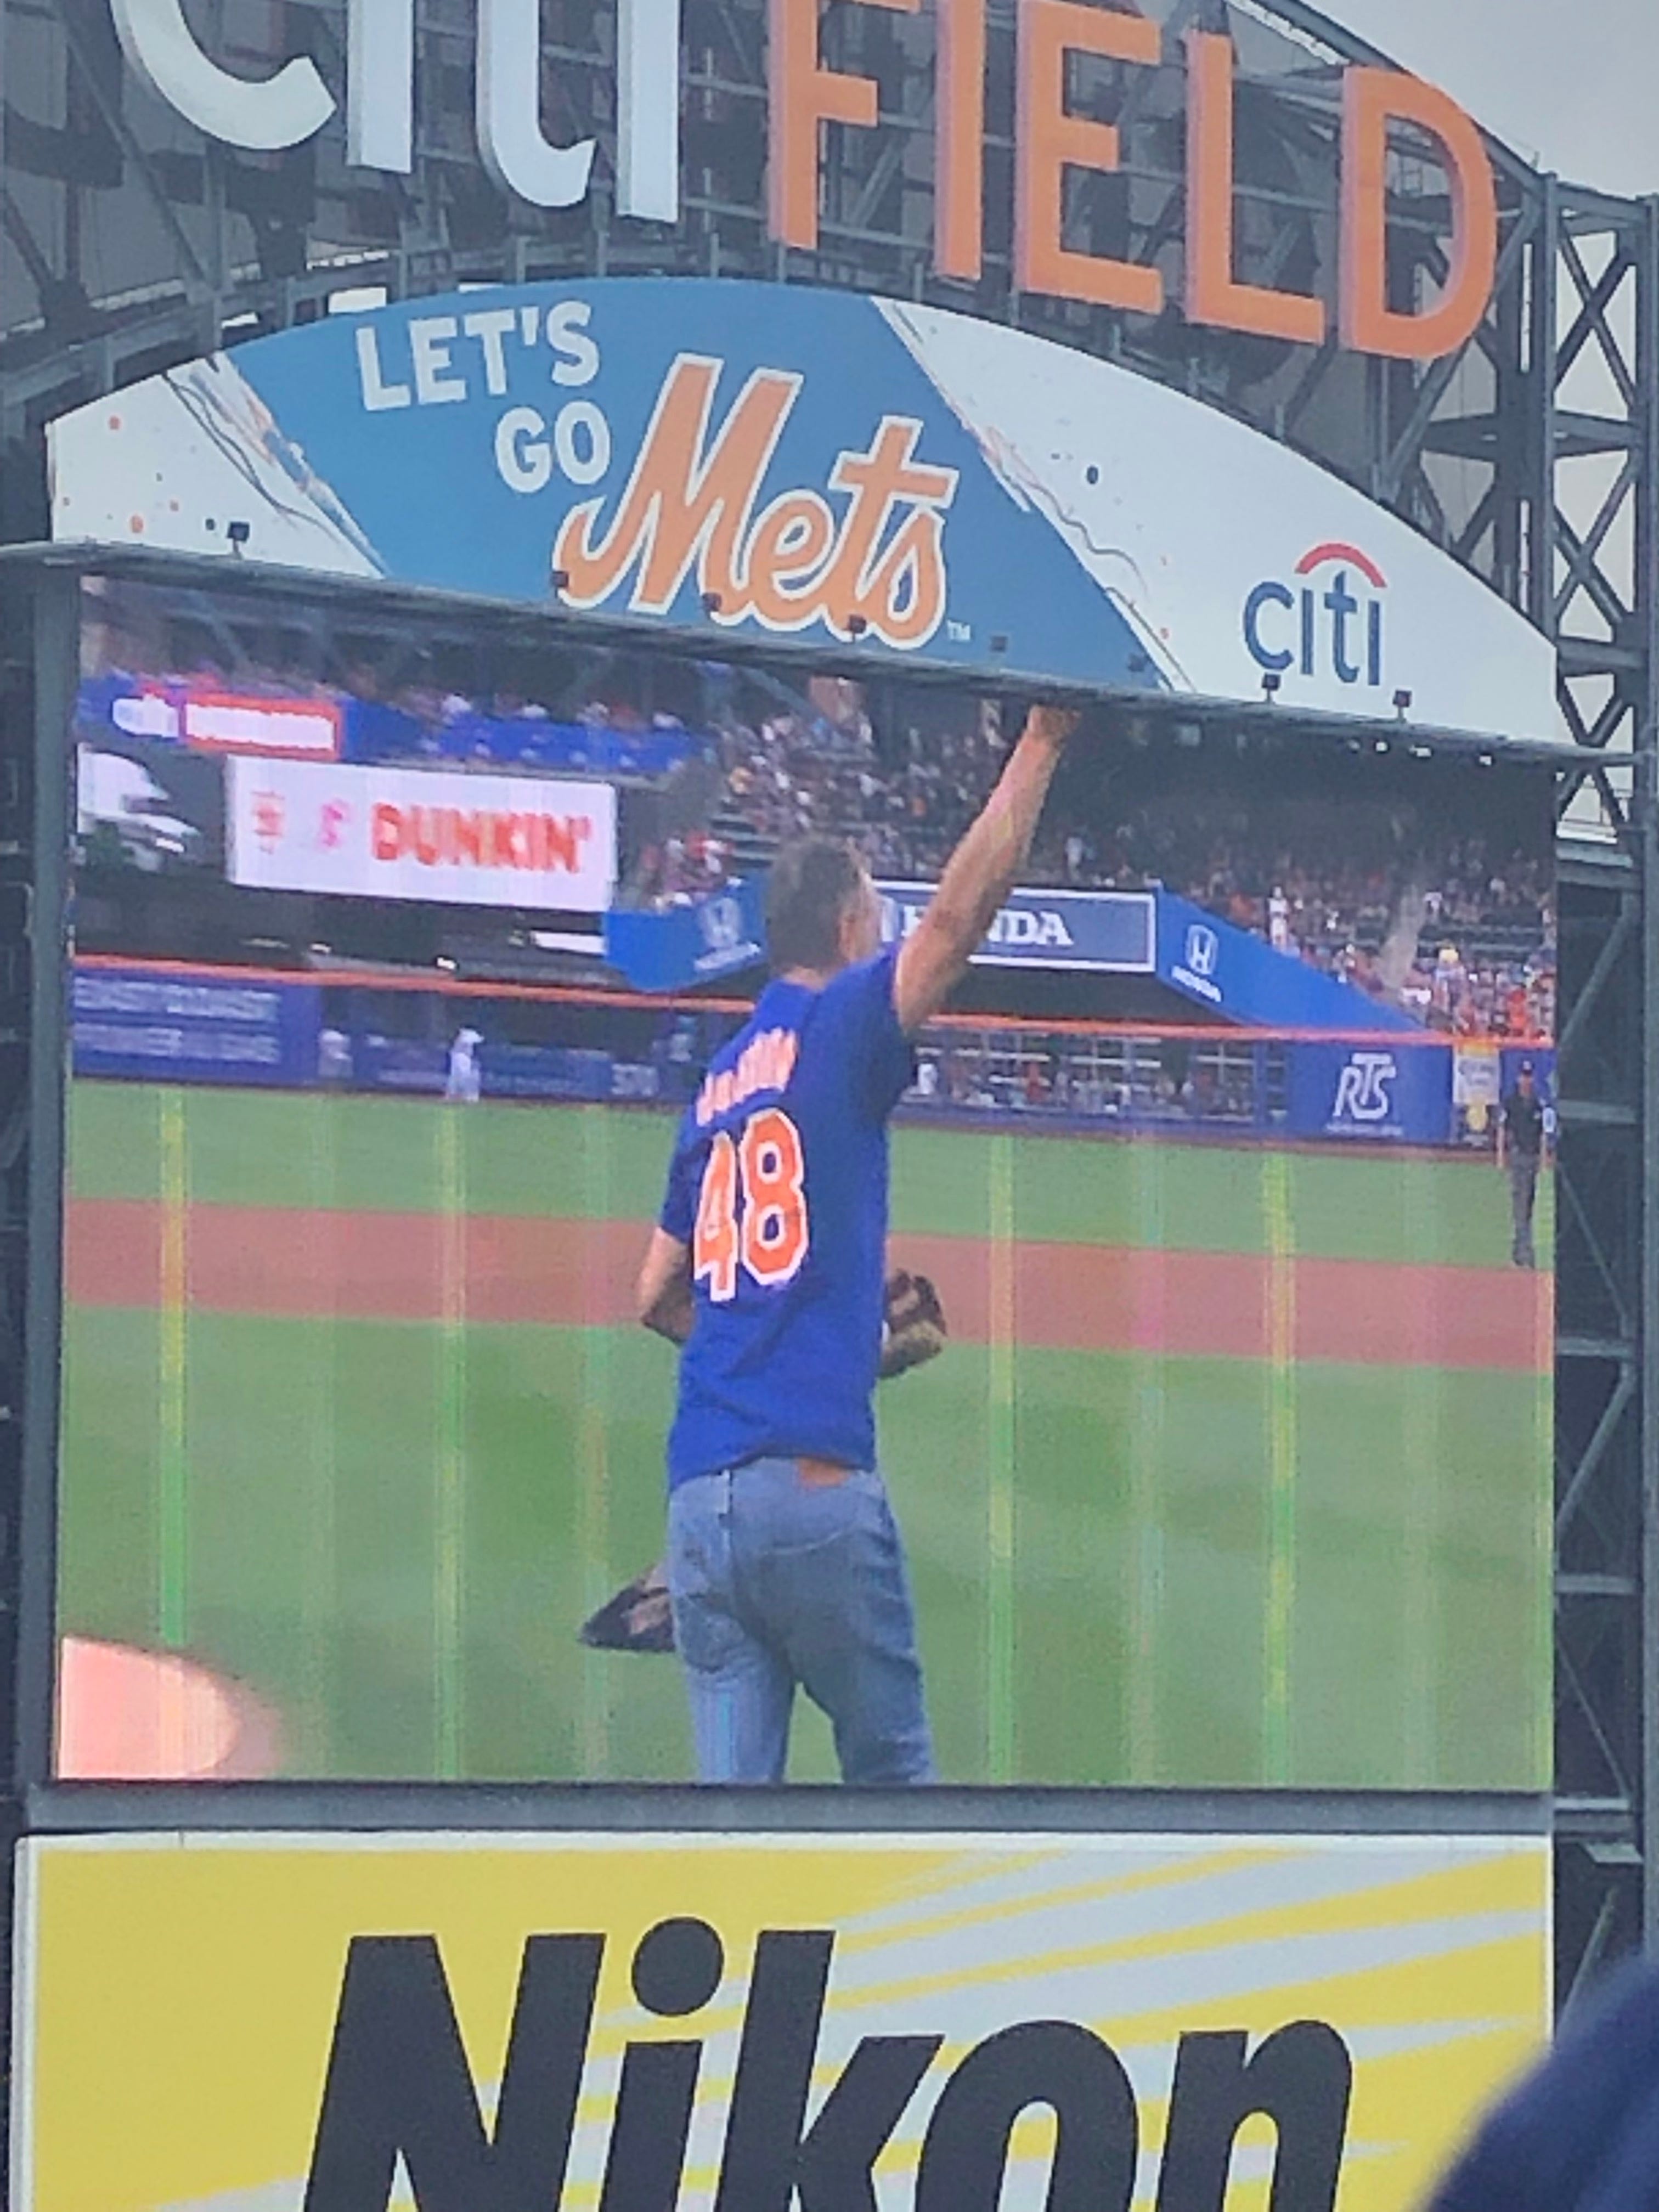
<point>1520,1153</point>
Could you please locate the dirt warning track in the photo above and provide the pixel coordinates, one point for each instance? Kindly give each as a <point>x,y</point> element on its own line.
<point>295,1262</point>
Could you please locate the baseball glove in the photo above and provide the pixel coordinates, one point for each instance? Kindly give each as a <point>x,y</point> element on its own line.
<point>638,1619</point>
<point>912,1326</point>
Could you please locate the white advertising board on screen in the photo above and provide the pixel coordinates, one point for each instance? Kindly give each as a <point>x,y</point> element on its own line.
<point>446,838</point>
<point>767,462</point>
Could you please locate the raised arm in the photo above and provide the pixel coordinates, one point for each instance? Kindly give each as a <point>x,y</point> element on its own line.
<point>981,872</point>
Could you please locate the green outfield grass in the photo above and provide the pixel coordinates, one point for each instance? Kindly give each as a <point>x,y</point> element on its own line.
<point>1130,1565</point>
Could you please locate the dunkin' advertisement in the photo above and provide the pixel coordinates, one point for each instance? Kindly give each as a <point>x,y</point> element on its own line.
<point>455,840</point>
<point>683,452</point>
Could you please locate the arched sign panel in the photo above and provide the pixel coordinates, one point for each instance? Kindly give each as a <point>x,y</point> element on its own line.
<point>766,460</point>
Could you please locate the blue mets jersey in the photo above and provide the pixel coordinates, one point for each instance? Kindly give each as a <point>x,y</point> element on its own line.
<point>779,1186</point>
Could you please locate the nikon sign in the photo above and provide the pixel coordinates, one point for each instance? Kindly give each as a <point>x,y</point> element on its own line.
<point>919,2024</point>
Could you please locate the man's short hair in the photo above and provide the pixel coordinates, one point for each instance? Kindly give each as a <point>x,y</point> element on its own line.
<point>807,893</point>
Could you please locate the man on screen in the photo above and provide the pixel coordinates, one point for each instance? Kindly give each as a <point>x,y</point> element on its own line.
<point>1522,1137</point>
<point>786,1569</point>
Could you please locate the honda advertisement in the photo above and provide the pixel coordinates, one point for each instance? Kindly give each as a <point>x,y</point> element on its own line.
<point>1110,931</point>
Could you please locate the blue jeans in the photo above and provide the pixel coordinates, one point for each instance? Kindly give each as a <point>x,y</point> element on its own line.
<point>778,1583</point>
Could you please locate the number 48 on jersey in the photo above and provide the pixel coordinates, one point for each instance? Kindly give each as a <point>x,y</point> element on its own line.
<point>751,1210</point>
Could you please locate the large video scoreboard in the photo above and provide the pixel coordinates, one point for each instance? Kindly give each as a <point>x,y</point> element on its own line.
<point>437,690</point>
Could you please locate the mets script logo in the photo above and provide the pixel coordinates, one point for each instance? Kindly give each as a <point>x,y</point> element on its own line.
<point>1329,622</point>
<point>875,570</point>
<point>1364,1094</point>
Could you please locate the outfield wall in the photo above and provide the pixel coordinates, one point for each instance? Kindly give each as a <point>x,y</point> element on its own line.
<point>211,1025</point>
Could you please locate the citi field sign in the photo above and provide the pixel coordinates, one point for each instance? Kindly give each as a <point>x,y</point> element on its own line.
<point>682,2023</point>
<point>380,90</point>
<point>780,462</point>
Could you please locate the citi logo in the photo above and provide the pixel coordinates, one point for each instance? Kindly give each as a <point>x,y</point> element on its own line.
<point>1363,1092</point>
<point>1329,622</point>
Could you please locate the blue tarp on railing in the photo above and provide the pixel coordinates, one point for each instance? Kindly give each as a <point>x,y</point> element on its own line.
<point>712,937</point>
<point>1237,977</point>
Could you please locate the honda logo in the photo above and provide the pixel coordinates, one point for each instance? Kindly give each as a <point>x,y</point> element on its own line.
<point>1203,951</point>
<point>722,924</point>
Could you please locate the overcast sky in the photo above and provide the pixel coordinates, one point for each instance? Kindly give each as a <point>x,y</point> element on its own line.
<point>1573,84</point>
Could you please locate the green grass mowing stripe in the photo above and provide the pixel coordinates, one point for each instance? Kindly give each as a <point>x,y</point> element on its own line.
<point>1422,1442</point>
<point>593,1487</point>
<point>1145,1564</point>
<point>448,1566</point>
<point>1486,1539</point>
<point>1277,1657</point>
<point>265,1148</point>
<point>173,1560</point>
<point>1000,1568</point>
<point>108,1577</point>
<point>112,1136</point>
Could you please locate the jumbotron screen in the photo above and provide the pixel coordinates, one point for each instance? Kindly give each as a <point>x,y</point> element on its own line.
<point>1220,1187</point>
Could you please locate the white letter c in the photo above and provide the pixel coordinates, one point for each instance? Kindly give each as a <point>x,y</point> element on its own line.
<point>264,116</point>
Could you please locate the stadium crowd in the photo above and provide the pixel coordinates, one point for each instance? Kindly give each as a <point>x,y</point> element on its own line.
<point>1463,938</point>
<point>1459,932</point>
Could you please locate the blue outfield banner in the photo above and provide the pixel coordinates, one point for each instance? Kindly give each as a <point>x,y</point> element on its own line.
<point>195,1029</point>
<point>1406,1095</point>
<point>208,1026</point>
<point>368,1061</point>
<point>1237,977</point>
<point>676,947</point>
<point>1373,1093</point>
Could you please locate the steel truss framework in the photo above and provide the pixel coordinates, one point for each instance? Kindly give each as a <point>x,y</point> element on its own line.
<point>1533,456</point>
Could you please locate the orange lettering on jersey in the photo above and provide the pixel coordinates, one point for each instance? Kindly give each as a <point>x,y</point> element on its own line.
<point>766,1063</point>
<point>687,510</point>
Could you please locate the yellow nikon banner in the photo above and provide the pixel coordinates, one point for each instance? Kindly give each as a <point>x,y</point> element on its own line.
<point>496,2023</point>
